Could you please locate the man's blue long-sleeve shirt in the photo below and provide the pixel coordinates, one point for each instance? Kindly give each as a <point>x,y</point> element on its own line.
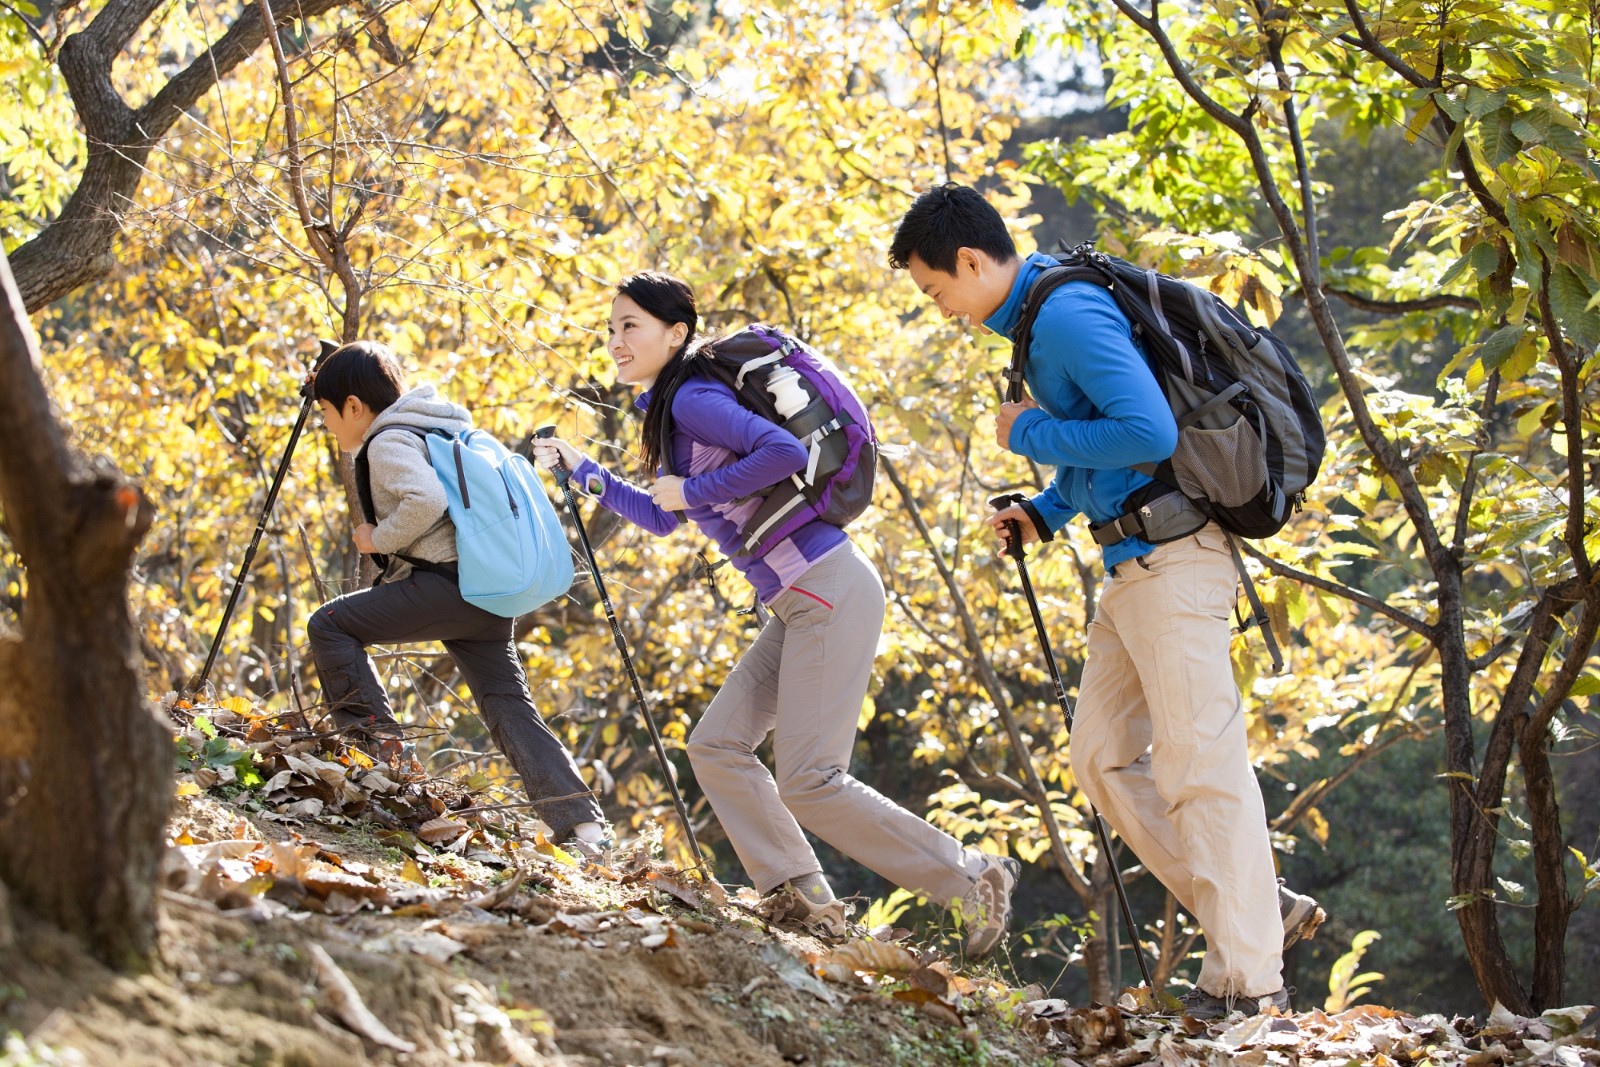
<point>1100,408</point>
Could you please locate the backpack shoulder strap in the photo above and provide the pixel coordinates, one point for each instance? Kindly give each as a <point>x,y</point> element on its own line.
<point>1049,280</point>
<point>363,471</point>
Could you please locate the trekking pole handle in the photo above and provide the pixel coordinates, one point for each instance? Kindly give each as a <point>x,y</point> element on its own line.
<point>544,433</point>
<point>1013,547</point>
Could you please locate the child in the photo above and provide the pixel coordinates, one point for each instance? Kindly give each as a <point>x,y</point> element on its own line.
<point>804,678</point>
<point>360,390</point>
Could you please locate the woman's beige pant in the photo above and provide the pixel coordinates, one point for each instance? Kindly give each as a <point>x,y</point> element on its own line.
<point>803,680</point>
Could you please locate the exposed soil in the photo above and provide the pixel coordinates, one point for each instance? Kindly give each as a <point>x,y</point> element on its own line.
<point>586,971</point>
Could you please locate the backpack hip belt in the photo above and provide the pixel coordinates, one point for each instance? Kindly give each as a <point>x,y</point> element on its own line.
<point>1156,514</point>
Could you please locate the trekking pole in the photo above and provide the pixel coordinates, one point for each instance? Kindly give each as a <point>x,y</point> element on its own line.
<point>327,348</point>
<point>1015,550</point>
<point>564,478</point>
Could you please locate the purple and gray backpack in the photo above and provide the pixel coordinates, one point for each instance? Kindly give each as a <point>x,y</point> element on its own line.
<point>782,380</point>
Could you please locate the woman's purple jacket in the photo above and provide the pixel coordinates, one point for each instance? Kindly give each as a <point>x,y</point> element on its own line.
<point>729,453</point>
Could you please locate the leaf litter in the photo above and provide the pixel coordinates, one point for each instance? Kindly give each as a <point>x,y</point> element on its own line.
<point>329,910</point>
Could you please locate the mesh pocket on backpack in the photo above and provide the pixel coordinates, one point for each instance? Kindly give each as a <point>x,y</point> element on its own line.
<point>1227,467</point>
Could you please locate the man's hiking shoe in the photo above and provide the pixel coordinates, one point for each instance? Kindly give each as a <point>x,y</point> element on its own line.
<point>986,907</point>
<point>1301,915</point>
<point>1198,1004</point>
<point>786,904</point>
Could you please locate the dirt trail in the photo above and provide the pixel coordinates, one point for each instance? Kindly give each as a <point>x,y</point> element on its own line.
<point>584,970</point>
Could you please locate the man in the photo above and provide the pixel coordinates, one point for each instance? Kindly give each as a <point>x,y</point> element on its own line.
<point>1159,740</point>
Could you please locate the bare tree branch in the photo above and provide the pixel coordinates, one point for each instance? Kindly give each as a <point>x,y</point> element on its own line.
<point>77,247</point>
<point>1401,307</point>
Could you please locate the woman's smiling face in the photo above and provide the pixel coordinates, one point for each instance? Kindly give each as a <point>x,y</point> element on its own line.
<point>640,343</point>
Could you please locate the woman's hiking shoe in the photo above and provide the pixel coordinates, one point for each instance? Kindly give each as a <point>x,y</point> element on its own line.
<point>1198,1004</point>
<point>986,907</point>
<point>786,904</point>
<point>1301,915</point>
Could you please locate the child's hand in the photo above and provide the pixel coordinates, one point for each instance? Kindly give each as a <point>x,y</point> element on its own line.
<point>552,452</point>
<point>668,493</point>
<point>364,538</point>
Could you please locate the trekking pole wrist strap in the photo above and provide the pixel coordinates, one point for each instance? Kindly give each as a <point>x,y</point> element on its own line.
<point>1040,527</point>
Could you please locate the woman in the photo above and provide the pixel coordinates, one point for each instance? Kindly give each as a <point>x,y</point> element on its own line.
<point>804,678</point>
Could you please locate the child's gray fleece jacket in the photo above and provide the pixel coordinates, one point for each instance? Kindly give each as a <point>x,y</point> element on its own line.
<point>407,496</point>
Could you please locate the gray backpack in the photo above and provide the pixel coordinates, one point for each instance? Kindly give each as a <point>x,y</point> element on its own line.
<point>1250,435</point>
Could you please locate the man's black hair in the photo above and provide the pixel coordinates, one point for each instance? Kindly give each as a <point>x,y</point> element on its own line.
<point>945,219</point>
<point>366,370</point>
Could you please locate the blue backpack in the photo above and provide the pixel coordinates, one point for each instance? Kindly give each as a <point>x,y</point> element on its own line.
<point>512,551</point>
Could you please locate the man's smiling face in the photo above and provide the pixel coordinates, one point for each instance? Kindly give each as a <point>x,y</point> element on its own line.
<point>973,292</point>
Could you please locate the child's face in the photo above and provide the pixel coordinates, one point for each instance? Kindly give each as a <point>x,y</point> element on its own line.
<point>640,343</point>
<point>971,294</point>
<point>348,424</point>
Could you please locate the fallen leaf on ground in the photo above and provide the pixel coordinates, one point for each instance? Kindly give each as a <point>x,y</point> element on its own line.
<point>874,957</point>
<point>343,999</point>
<point>436,830</point>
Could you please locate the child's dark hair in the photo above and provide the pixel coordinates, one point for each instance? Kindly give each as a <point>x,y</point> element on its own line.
<point>944,219</point>
<point>366,370</point>
<point>661,296</point>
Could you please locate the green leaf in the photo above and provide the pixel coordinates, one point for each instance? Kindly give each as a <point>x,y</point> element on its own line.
<point>1455,270</point>
<point>1500,144</point>
<point>1531,126</point>
<point>1485,258</point>
<point>1514,890</point>
<point>204,725</point>
<point>1587,684</point>
<point>1570,296</point>
<point>1481,101</point>
<point>1499,346</point>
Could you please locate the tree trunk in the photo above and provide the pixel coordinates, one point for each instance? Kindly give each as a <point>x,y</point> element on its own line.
<point>85,764</point>
<point>1553,910</point>
<point>1108,929</point>
<point>7,934</point>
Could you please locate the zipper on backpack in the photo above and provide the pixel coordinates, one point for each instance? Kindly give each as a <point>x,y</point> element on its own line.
<point>511,498</point>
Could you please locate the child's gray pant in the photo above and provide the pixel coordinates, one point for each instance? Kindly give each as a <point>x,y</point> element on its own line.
<point>427,606</point>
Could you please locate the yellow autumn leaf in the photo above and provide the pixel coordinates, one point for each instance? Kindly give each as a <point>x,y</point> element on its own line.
<point>545,846</point>
<point>241,706</point>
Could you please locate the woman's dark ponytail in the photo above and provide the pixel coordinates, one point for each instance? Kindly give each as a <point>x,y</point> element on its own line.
<point>670,300</point>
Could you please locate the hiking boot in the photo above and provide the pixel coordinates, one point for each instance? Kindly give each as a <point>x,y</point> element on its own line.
<point>986,907</point>
<point>1301,915</point>
<point>1198,1004</point>
<point>596,851</point>
<point>788,904</point>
